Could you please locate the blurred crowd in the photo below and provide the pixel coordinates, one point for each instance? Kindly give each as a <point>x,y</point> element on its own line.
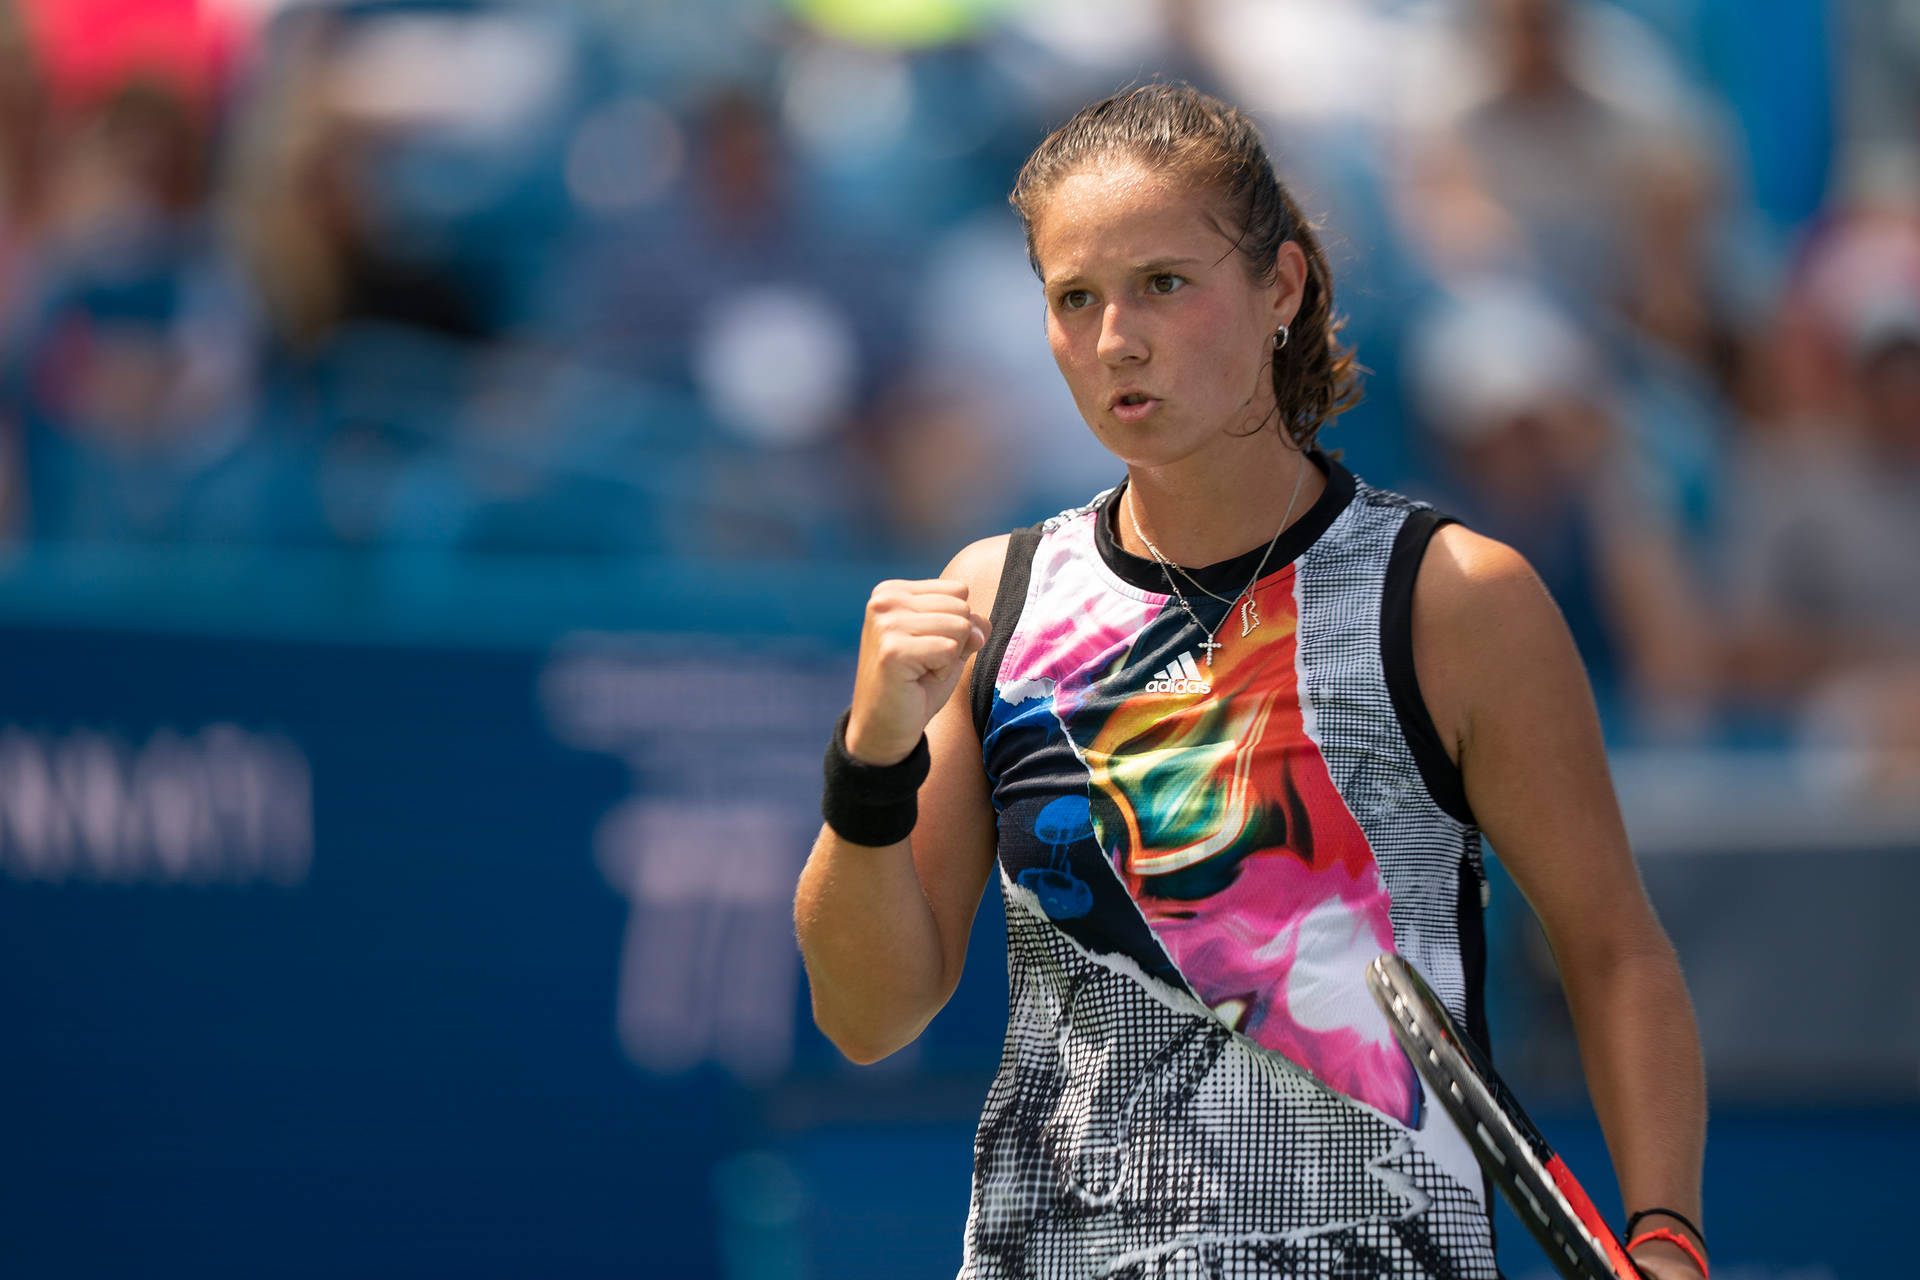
<point>1638,284</point>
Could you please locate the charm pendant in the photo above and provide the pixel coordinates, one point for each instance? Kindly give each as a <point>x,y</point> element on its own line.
<point>1209,644</point>
<point>1249,617</point>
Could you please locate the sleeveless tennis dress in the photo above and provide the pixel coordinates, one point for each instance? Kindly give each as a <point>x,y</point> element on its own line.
<point>1197,860</point>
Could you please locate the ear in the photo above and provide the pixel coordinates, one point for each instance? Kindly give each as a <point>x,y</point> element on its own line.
<point>1289,281</point>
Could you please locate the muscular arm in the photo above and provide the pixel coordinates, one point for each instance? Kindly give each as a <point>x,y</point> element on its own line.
<point>884,932</point>
<point>1506,689</point>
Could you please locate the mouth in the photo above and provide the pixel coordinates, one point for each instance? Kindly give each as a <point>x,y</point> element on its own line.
<point>1131,406</point>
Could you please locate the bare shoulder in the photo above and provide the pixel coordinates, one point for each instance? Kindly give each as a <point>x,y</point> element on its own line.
<point>978,564</point>
<point>1466,574</point>
<point>1484,629</point>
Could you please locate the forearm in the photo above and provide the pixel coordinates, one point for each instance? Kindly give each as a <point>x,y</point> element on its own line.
<point>1641,1051</point>
<point>872,946</point>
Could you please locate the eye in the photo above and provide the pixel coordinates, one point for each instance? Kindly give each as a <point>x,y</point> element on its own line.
<point>1165,282</point>
<point>1074,299</point>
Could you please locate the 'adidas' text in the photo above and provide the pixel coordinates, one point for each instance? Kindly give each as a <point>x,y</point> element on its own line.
<point>1181,676</point>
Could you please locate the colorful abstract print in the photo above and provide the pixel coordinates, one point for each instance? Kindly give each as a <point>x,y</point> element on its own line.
<point>1210,805</point>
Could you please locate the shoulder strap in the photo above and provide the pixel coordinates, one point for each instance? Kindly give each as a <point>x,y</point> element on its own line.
<point>1440,774</point>
<point>1008,601</point>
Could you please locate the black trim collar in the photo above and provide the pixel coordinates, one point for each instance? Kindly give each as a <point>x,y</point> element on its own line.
<point>1228,575</point>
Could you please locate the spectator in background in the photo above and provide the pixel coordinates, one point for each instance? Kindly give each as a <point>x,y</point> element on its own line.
<point>391,220</point>
<point>323,217</point>
<point>1577,157</point>
<point>1824,520</point>
<point>1583,158</point>
<point>1880,92</point>
<point>784,322</point>
<point>24,144</point>
<point>128,349</point>
<point>25,137</point>
<point>1519,404</point>
<point>123,334</point>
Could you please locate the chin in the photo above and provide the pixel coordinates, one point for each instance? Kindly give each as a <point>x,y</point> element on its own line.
<point>1149,444</point>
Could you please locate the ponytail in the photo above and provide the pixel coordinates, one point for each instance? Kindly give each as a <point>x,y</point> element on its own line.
<point>1315,376</point>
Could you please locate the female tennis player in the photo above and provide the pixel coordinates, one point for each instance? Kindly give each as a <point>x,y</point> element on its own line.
<point>1228,732</point>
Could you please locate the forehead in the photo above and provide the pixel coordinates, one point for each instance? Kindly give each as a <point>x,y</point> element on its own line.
<point>1121,213</point>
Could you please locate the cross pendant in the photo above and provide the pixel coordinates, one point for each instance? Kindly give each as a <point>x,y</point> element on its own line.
<point>1210,644</point>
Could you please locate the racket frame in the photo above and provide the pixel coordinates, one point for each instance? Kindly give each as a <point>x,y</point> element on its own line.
<point>1510,1148</point>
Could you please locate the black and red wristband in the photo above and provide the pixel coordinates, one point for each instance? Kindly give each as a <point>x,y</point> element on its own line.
<point>1668,1234</point>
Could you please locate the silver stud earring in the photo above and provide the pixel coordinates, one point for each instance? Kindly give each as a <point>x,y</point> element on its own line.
<point>1280,338</point>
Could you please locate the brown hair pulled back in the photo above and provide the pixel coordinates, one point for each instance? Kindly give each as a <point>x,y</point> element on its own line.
<point>1176,127</point>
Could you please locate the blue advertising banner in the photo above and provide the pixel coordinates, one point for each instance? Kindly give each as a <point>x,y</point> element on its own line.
<point>336,959</point>
<point>420,960</point>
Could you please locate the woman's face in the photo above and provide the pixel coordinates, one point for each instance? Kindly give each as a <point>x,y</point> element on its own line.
<point>1164,340</point>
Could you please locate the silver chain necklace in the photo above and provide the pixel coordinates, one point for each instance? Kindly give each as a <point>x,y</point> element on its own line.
<point>1249,615</point>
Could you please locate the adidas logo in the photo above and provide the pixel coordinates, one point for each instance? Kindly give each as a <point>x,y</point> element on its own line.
<point>1181,676</point>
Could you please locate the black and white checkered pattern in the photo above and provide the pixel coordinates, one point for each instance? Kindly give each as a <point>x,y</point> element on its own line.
<point>1129,1134</point>
<point>1419,848</point>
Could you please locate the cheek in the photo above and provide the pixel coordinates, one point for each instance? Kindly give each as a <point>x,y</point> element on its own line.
<point>1060,342</point>
<point>1241,356</point>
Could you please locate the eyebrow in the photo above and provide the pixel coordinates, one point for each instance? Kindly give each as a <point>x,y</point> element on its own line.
<point>1139,269</point>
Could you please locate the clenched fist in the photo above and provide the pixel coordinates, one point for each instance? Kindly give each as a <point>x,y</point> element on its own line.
<point>913,646</point>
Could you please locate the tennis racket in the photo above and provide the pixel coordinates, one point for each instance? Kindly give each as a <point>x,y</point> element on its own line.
<point>1534,1180</point>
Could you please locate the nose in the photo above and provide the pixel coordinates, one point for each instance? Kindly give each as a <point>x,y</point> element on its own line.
<point>1120,339</point>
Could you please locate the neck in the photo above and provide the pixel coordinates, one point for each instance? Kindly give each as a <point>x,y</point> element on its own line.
<point>1199,520</point>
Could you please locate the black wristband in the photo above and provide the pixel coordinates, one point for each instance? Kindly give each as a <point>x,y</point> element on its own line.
<point>1667,1213</point>
<point>871,804</point>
